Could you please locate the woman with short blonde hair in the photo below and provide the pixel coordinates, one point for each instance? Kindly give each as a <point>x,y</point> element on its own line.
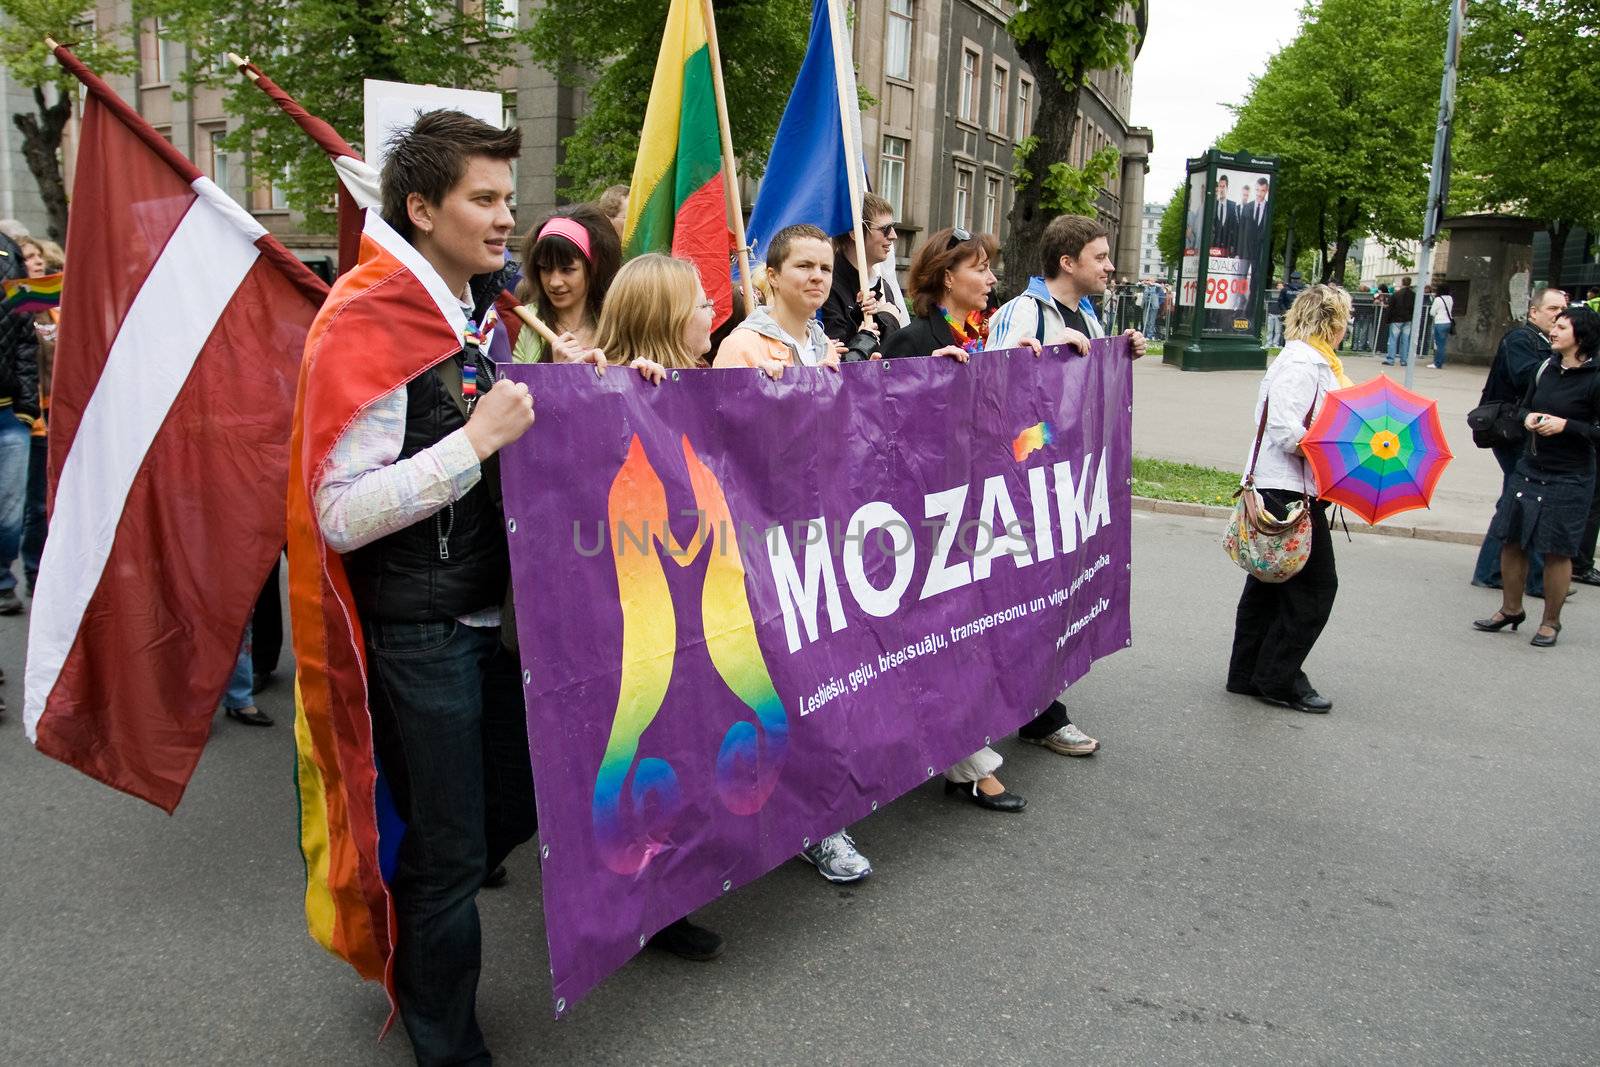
<point>656,310</point>
<point>1277,624</point>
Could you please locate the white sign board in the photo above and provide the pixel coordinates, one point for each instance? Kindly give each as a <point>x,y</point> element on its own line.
<point>394,106</point>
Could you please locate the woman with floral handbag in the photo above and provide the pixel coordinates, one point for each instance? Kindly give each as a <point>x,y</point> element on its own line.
<point>1280,618</point>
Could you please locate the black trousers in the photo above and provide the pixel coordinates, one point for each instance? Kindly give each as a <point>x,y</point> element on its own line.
<point>1584,561</point>
<point>266,631</point>
<point>1276,625</point>
<point>1046,722</point>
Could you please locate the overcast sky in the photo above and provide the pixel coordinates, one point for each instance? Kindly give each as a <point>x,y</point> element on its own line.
<point>1198,57</point>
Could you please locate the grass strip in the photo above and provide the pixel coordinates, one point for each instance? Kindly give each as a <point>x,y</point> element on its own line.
<point>1162,479</point>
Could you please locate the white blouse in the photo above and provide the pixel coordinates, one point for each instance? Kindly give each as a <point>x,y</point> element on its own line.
<point>1296,383</point>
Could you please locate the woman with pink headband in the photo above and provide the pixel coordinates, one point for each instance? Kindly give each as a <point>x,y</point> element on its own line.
<point>568,261</point>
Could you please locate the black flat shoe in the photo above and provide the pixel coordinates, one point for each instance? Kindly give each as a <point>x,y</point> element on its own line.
<point>1312,702</point>
<point>496,878</point>
<point>1499,621</point>
<point>1541,641</point>
<point>1588,577</point>
<point>687,941</point>
<point>249,716</point>
<point>1244,689</point>
<point>1007,801</point>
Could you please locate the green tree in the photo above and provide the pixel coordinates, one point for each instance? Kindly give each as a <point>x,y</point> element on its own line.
<point>1526,136</point>
<point>1349,108</point>
<point>337,44</point>
<point>610,47</point>
<point>1063,42</point>
<point>24,26</point>
<point>1169,237</point>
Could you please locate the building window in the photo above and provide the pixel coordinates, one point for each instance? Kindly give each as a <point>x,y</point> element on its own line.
<point>269,194</point>
<point>897,42</point>
<point>961,210</point>
<point>154,66</point>
<point>500,14</point>
<point>991,204</point>
<point>971,60</point>
<point>892,173</point>
<point>1024,108</point>
<point>216,157</point>
<point>508,121</point>
<point>999,96</point>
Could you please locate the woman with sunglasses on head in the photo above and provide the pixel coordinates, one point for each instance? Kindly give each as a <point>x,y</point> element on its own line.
<point>568,262</point>
<point>786,333</point>
<point>1545,505</point>
<point>950,284</point>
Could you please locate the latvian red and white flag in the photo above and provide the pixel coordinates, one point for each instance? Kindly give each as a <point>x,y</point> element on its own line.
<point>181,340</point>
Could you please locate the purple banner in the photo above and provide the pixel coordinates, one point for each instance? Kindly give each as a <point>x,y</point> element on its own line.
<point>751,612</point>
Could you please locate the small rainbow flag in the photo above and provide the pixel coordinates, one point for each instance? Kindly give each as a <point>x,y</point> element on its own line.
<point>31,295</point>
<point>1031,440</point>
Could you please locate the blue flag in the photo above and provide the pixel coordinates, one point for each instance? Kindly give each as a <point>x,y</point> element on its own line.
<point>806,180</point>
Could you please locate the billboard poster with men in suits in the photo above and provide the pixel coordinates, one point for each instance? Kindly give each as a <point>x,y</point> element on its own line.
<point>1229,222</point>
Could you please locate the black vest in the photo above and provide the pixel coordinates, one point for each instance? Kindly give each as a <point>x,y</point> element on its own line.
<point>454,562</point>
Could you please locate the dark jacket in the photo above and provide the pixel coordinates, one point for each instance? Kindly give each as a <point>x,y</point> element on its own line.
<point>1571,393</point>
<point>1401,305</point>
<point>1521,351</point>
<point>19,346</point>
<point>454,562</point>
<point>841,314</point>
<point>1286,296</point>
<point>921,337</point>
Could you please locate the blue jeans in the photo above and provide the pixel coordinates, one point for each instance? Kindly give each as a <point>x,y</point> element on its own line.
<point>238,694</point>
<point>1441,336</point>
<point>35,523</point>
<point>1151,311</point>
<point>450,730</point>
<point>1487,569</point>
<point>1399,343</point>
<point>14,451</point>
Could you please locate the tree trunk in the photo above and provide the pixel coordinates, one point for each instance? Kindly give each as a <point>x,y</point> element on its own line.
<point>41,145</point>
<point>1055,120</point>
<point>1558,231</point>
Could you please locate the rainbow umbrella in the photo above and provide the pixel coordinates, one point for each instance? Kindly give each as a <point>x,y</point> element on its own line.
<point>1377,448</point>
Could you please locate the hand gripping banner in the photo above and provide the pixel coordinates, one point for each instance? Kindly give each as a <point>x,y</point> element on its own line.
<point>752,611</point>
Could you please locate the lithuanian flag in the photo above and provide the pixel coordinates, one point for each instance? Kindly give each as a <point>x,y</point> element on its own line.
<point>677,202</point>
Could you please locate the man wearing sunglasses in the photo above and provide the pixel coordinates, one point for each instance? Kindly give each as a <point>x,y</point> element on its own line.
<point>862,316</point>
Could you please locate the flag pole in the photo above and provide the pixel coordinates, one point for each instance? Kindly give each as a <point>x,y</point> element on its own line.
<point>842,61</point>
<point>730,166</point>
<point>538,325</point>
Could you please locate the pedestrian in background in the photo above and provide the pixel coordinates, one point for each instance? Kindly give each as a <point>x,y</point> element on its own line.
<point>19,409</point>
<point>1546,503</point>
<point>1398,320</point>
<point>1519,354</point>
<point>1443,313</point>
<point>1277,624</point>
<point>613,204</point>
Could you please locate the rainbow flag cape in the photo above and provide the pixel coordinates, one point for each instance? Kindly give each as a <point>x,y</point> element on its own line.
<point>31,295</point>
<point>385,322</point>
<point>677,202</point>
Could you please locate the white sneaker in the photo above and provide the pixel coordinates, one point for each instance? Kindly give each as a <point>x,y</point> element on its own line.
<point>1067,741</point>
<point>836,858</point>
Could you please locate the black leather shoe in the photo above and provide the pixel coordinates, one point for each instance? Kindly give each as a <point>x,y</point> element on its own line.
<point>1007,801</point>
<point>1499,621</point>
<point>1541,641</point>
<point>1311,702</point>
<point>496,878</point>
<point>1588,577</point>
<point>687,941</point>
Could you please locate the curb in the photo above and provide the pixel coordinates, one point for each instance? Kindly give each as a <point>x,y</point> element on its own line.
<point>1211,511</point>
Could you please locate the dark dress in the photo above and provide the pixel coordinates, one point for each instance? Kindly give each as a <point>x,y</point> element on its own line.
<point>1546,500</point>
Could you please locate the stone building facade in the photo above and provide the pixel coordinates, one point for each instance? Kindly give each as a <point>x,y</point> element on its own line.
<point>953,101</point>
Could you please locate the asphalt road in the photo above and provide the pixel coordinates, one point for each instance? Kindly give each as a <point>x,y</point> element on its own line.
<point>1412,879</point>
